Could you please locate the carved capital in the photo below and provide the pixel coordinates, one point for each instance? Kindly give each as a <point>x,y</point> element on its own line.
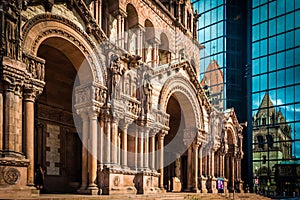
<point>30,94</point>
<point>35,66</point>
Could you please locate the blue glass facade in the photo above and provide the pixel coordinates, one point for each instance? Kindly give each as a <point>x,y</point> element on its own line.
<point>222,30</point>
<point>276,76</point>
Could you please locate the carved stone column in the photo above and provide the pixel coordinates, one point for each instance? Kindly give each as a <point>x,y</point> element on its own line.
<point>84,153</point>
<point>140,164</point>
<point>124,145</point>
<point>146,149</point>
<point>189,172</point>
<point>107,140</point>
<point>140,36</point>
<point>203,179</point>
<point>18,119</point>
<point>212,171</point>
<point>152,152</point>
<point>195,168</point>
<point>29,98</point>
<point>120,15</point>
<point>93,120</point>
<point>155,43</point>
<point>1,116</point>
<point>161,136</point>
<point>101,142</point>
<point>114,140</point>
<point>9,121</point>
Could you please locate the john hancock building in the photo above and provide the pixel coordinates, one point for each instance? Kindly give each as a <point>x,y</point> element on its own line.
<point>105,96</point>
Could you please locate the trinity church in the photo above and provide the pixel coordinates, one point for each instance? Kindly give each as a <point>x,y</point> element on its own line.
<point>105,96</point>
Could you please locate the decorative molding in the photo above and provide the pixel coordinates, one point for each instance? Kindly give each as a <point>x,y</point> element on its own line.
<point>64,34</point>
<point>11,175</point>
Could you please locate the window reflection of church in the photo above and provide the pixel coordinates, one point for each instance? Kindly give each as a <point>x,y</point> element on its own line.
<point>213,84</point>
<point>272,148</point>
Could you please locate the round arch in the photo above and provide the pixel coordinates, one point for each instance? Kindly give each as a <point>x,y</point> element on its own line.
<point>79,47</point>
<point>231,134</point>
<point>180,88</point>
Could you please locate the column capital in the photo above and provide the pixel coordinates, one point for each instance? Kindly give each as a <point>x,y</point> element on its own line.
<point>162,134</point>
<point>120,12</point>
<point>30,94</point>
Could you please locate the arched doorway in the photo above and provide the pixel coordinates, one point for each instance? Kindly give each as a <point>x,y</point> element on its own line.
<point>230,162</point>
<point>175,136</point>
<point>57,144</point>
<point>178,143</point>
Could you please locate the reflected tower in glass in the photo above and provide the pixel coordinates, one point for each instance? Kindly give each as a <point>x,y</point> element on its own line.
<point>222,30</point>
<point>276,95</point>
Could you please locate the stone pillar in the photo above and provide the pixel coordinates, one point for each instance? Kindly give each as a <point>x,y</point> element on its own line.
<point>146,149</point>
<point>161,136</point>
<point>124,144</point>
<point>29,98</point>
<point>140,36</point>
<point>152,152</point>
<point>107,141</point>
<point>1,117</point>
<point>93,119</point>
<point>9,121</point>
<point>85,130</point>
<point>212,171</point>
<point>114,141</point>
<point>136,142</point>
<point>189,172</point>
<point>203,180</point>
<point>98,11</point>
<point>232,172</point>
<point>17,105</point>
<point>101,142</point>
<point>140,148</point>
<point>195,168</point>
<point>120,16</point>
<point>155,44</point>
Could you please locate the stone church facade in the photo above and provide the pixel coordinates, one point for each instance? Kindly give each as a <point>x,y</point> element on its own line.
<point>105,95</point>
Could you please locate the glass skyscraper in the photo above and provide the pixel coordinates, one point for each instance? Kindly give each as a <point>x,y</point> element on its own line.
<point>276,95</point>
<point>222,30</point>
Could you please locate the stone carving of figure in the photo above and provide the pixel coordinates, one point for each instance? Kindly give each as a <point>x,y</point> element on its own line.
<point>38,71</point>
<point>116,71</point>
<point>43,72</point>
<point>11,37</point>
<point>147,89</point>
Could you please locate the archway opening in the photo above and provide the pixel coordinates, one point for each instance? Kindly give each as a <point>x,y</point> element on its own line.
<point>164,52</point>
<point>148,50</point>
<point>57,144</point>
<point>131,30</point>
<point>182,119</point>
<point>230,166</point>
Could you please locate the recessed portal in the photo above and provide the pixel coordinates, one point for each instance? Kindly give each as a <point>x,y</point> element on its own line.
<point>175,147</point>
<point>57,144</point>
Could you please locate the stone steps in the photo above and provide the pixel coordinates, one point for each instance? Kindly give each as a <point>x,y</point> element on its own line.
<point>164,196</point>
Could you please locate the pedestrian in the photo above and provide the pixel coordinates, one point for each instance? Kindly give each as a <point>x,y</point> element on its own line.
<point>39,177</point>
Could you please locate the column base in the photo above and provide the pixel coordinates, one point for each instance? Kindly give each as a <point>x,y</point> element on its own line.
<point>202,182</point>
<point>13,178</point>
<point>89,191</point>
<point>162,190</point>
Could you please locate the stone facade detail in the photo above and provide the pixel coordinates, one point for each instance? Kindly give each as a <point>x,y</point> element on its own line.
<point>97,92</point>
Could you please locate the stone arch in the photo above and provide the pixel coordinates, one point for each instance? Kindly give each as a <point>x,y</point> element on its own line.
<point>149,36</point>
<point>185,93</point>
<point>164,49</point>
<point>231,134</point>
<point>43,27</point>
<point>132,16</point>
